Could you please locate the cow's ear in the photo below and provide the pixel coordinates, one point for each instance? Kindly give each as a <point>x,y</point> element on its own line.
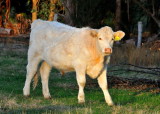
<point>118,35</point>
<point>94,33</point>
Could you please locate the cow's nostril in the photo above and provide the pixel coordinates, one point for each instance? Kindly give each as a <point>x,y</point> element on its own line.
<point>108,50</point>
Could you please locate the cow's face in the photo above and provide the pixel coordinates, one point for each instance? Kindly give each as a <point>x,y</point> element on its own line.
<point>106,38</point>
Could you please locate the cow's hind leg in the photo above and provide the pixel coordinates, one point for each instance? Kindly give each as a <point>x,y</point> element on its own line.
<point>81,80</point>
<point>102,81</point>
<point>32,65</point>
<point>44,71</point>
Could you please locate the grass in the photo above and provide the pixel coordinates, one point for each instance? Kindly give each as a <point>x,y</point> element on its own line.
<point>64,92</point>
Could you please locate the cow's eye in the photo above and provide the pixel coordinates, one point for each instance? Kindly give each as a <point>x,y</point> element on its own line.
<point>100,38</point>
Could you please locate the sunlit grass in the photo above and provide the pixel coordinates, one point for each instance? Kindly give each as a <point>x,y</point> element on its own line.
<point>137,56</point>
<point>64,92</point>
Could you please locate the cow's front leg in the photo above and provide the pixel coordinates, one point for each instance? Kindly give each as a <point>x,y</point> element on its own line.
<point>102,81</point>
<point>81,80</point>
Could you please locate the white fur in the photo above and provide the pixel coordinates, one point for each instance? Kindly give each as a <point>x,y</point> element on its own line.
<point>65,48</point>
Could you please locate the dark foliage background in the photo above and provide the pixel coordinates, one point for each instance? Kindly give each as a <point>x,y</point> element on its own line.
<point>92,13</point>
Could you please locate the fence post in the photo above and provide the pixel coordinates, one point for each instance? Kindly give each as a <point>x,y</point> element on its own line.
<point>139,34</point>
<point>55,17</point>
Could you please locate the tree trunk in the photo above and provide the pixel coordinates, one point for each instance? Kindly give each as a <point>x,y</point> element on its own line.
<point>52,8</point>
<point>118,14</point>
<point>1,12</point>
<point>1,21</point>
<point>128,12</point>
<point>34,9</point>
<point>69,11</point>
<point>8,7</point>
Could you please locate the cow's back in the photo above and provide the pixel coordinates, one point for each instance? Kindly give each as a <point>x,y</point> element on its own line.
<point>45,33</point>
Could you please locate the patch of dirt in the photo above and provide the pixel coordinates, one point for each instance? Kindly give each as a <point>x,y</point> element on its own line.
<point>136,84</point>
<point>144,85</point>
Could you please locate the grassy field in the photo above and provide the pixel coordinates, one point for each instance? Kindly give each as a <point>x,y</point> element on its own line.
<point>64,92</point>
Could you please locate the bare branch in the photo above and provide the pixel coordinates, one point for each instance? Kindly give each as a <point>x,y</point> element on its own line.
<point>148,12</point>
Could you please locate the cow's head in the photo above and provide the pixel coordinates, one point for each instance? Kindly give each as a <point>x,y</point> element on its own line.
<point>106,38</point>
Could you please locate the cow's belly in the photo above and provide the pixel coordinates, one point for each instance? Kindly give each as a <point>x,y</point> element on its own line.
<point>59,60</point>
<point>62,66</point>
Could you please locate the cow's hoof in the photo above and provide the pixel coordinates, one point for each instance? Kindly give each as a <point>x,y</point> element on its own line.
<point>110,104</point>
<point>48,97</point>
<point>81,102</point>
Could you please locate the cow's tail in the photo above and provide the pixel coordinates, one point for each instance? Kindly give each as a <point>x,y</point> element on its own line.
<point>36,23</point>
<point>35,80</point>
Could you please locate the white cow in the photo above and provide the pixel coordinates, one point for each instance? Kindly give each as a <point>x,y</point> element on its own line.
<point>66,48</point>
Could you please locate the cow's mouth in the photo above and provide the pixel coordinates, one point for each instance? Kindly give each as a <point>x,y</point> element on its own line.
<point>107,54</point>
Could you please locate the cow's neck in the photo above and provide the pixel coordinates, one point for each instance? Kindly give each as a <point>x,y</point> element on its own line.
<point>97,59</point>
<point>95,66</point>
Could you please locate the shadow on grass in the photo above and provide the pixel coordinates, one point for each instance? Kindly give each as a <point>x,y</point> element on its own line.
<point>47,109</point>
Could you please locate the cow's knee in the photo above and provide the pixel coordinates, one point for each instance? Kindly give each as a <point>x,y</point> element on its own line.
<point>82,83</point>
<point>103,86</point>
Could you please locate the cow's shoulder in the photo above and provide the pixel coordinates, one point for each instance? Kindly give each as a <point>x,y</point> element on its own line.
<point>37,23</point>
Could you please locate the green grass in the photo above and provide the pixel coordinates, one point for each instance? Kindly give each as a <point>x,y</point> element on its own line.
<point>64,92</point>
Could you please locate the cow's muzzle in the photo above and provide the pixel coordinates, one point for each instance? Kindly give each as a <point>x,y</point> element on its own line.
<point>108,50</point>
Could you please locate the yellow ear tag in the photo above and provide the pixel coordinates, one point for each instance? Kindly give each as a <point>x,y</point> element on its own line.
<point>117,38</point>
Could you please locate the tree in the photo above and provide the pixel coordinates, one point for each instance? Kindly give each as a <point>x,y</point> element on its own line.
<point>69,11</point>
<point>52,8</point>
<point>34,9</point>
<point>8,8</point>
<point>1,13</point>
<point>151,14</point>
<point>118,15</point>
